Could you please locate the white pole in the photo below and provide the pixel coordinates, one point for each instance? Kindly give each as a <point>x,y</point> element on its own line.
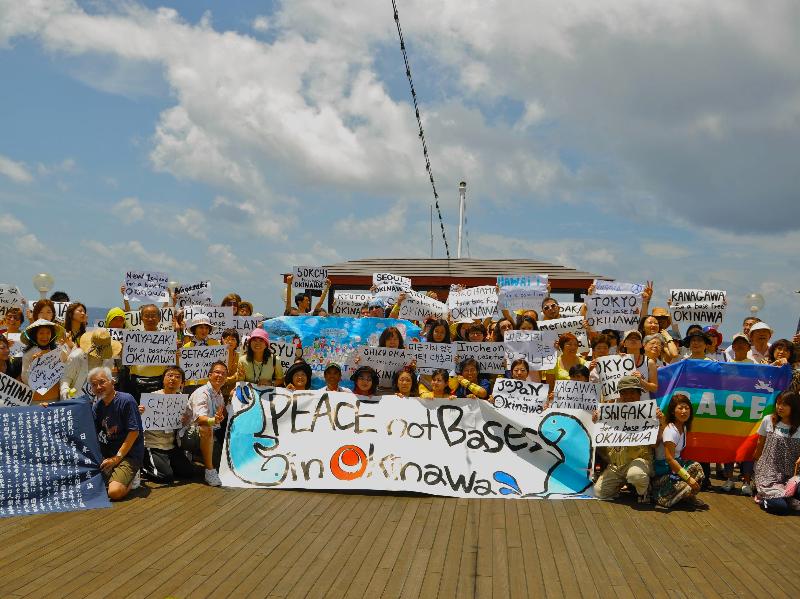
<point>431,230</point>
<point>462,196</point>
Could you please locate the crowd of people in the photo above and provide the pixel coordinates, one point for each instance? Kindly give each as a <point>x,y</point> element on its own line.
<point>654,473</point>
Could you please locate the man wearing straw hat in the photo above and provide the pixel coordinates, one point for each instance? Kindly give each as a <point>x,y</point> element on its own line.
<point>97,349</point>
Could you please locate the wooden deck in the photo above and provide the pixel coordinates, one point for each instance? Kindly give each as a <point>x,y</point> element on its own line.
<point>196,541</point>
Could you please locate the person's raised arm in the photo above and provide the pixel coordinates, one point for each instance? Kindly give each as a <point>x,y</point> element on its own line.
<point>288,294</point>
<point>647,294</point>
<point>125,302</point>
<point>322,297</point>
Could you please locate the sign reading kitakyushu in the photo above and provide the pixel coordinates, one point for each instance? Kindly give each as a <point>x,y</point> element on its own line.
<point>455,448</point>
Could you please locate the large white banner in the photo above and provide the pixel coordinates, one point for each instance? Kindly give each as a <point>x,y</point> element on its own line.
<point>455,448</point>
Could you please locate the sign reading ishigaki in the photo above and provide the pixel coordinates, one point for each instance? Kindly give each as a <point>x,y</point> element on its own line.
<point>473,303</point>
<point>46,370</point>
<point>431,356</point>
<point>627,424</point>
<point>143,348</point>
<point>347,303</point>
<point>144,286</point>
<point>514,397</point>
<point>697,306</point>
<point>162,412</point>
<point>50,460</point>
<point>455,448</point>
<point>491,355</point>
<point>14,393</point>
<point>197,294</point>
<point>610,370</point>
<point>309,277</point>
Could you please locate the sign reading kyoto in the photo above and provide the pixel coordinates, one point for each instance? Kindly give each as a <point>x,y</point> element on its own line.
<point>455,448</point>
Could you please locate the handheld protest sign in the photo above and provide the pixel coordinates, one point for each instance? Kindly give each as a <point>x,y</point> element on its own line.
<point>162,411</point>
<point>431,356</point>
<point>196,294</point>
<point>576,395</point>
<point>349,304</point>
<point>143,348</point>
<point>390,286</point>
<point>611,369</point>
<point>309,277</point>
<point>516,397</point>
<point>522,292</point>
<point>146,286</point>
<point>46,371</point>
<point>474,303</point>
<point>10,297</point>
<point>626,424</point>
<point>536,347</point>
<point>697,306</point>
<point>491,355</point>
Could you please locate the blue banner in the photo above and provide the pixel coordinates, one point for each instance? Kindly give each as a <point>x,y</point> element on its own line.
<point>50,460</point>
<point>333,338</point>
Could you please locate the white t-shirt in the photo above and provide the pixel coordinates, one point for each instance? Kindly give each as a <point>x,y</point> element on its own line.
<point>780,429</point>
<point>671,435</point>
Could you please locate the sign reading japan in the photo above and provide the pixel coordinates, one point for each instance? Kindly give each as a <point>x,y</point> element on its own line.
<point>700,306</point>
<point>512,396</point>
<point>455,448</point>
<point>144,286</point>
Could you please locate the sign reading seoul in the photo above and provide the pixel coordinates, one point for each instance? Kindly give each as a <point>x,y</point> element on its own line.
<point>456,448</point>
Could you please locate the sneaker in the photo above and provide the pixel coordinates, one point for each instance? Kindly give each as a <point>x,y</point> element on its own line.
<point>136,482</point>
<point>729,485</point>
<point>212,478</point>
<point>747,489</point>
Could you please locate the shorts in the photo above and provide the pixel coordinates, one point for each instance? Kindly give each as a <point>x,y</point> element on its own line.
<point>123,472</point>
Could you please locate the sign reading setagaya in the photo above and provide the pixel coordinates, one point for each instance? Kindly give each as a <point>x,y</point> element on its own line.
<point>455,448</point>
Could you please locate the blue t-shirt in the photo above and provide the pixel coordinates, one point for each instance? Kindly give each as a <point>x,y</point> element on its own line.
<point>114,421</point>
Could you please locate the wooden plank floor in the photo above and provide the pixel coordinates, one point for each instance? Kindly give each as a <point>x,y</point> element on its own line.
<point>195,541</point>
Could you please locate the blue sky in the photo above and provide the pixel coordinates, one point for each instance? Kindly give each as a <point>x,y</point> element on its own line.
<point>234,140</point>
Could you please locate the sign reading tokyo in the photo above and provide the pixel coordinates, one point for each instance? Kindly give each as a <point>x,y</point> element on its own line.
<point>455,448</point>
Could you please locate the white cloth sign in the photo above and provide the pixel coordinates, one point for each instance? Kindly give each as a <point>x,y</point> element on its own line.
<point>162,412</point>
<point>149,348</point>
<point>576,395</point>
<point>221,318</point>
<point>309,277</point>
<point>697,306</point>
<point>515,398</point>
<point>197,361</point>
<point>385,360</point>
<point>522,292</point>
<point>389,286</point>
<point>14,393</point>
<point>455,448</point>
<point>197,294</point>
<point>10,297</point>
<point>491,355</point>
<point>613,303</point>
<point>347,303</point>
<point>611,369</point>
<point>537,347</point>
<point>474,303</point>
<point>625,424</point>
<point>419,306</point>
<point>46,371</point>
<point>431,356</point>
<point>145,286</point>
<point>603,287</point>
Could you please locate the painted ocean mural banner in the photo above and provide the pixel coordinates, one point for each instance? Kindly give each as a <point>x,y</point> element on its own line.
<point>456,448</point>
<point>729,400</point>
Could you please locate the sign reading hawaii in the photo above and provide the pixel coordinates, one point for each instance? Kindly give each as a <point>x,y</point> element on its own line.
<point>455,448</point>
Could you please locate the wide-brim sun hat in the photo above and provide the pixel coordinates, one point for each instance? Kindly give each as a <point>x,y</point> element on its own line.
<point>300,366</point>
<point>630,382</point>
<point>99,344</point>
<point>694,334</point>
<point>29,334</point>
<point>198,320</point>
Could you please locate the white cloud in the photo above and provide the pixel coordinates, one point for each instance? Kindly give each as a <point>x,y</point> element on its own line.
<point>260,24</point>
<point>190,222</point>
<point>665,250</point>
<point>383,226</point>
<point>132,254</point>
<point>128,210</point>
<point>10,225</point>
<point>30,245</point>
<point>223,257</point>
<point>16,171</point>
<point>65,166</point>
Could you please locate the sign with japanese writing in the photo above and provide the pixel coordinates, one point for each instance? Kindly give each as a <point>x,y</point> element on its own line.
<point>196,361</point>
<point>162,412</point>
<point>626,424</point>
<point>145,286</point>
<point>536,347</point>
<point>13,393</point>
<point>46,370</point>
<point>309,277</point>
<point>516,397</point>
<point>51,460</point>
<point>576,395</point>
<point>431,356</point>
<point>455,448</point>
<point>196,294</point>
<point>491,355</point>
<point>149,348</point>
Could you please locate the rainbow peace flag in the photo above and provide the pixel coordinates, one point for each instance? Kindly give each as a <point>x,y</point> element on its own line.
<point>729,401</point>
